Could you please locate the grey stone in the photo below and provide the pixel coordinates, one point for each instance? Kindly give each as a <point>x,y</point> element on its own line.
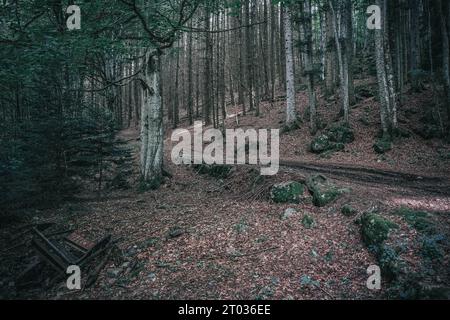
<point>288,213</point>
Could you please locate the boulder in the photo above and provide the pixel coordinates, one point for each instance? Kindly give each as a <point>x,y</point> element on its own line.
<point>322,190</point>
<point>333,139</point>
<point>287,192</point>
<point>288,213</point>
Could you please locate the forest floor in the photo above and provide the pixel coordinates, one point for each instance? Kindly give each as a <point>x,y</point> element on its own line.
<point>200,237</point>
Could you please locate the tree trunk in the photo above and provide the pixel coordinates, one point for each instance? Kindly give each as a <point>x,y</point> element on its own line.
<point>445,55</point>
<point>343,65</point>
<point>290,81</point>
<point>190,103</point>
<point>309,70</point>
<point>383,82</point>
<point>152,136</point>
<point>330,54</point>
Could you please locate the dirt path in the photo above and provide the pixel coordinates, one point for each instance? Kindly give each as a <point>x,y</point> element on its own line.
<point>371,176</point>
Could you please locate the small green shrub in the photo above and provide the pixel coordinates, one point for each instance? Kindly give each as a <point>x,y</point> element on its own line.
<point>348,211</point>
<point>375,229</point>
<point>308,221</point>
<point>432,247</point>
<point>420,220</point>
<point>287,192</point>
<point>383,145</point>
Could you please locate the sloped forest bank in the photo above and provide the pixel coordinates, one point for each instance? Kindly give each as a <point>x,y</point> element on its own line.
<point>364,153</point>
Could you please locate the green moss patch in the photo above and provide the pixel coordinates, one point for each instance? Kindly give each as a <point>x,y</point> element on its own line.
<point>432,249</point>
<point>321,144</point>
<point>383,145</point>
<point>348,211</point>
<point>334,139</point>
<point>287,192</point>
<point>375,229</point>
<point>308,222</point>
<point>419,220</point>
<point>323,191</point>
<point>152,184</point>
<point>341,133</point>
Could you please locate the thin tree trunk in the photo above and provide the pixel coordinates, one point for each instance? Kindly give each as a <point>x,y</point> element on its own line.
<point>290,81</point>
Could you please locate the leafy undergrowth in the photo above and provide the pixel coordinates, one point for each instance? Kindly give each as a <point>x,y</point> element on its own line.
<point>414,257</point>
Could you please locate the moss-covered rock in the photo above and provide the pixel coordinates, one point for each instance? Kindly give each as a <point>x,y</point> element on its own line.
<point>334,139</point>
<point>375,229</point>
<point>322,190</point>
<point>287,192</point>
<point>341,133</point>
<point>382,145</point>
<point>321,144</point>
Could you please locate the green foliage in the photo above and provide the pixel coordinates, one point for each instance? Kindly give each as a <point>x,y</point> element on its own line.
<point>375,229</point>
<point>341,133</point>
<point>308,221</point>
<point>390,263</point>
<point>44,161</point>
<point>214,170</point>
<point>287,192</point>
<point>55,134</point>
<point>241,226</point>
<point>383,145</point>
<point>334,139</point>
<point>151,184</point>
<point>432,247</point>
<point>321,144</point>
<point>348,211</point>
<point>307,281</point>
<point>323,191</point>
<point>419,220</point>
<point>296,125</point>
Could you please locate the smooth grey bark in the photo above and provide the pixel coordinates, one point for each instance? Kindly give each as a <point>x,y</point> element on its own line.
<point>290,80</point>
<point>151,122</point>
<point>386,81</point>
<point>343,64</point>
